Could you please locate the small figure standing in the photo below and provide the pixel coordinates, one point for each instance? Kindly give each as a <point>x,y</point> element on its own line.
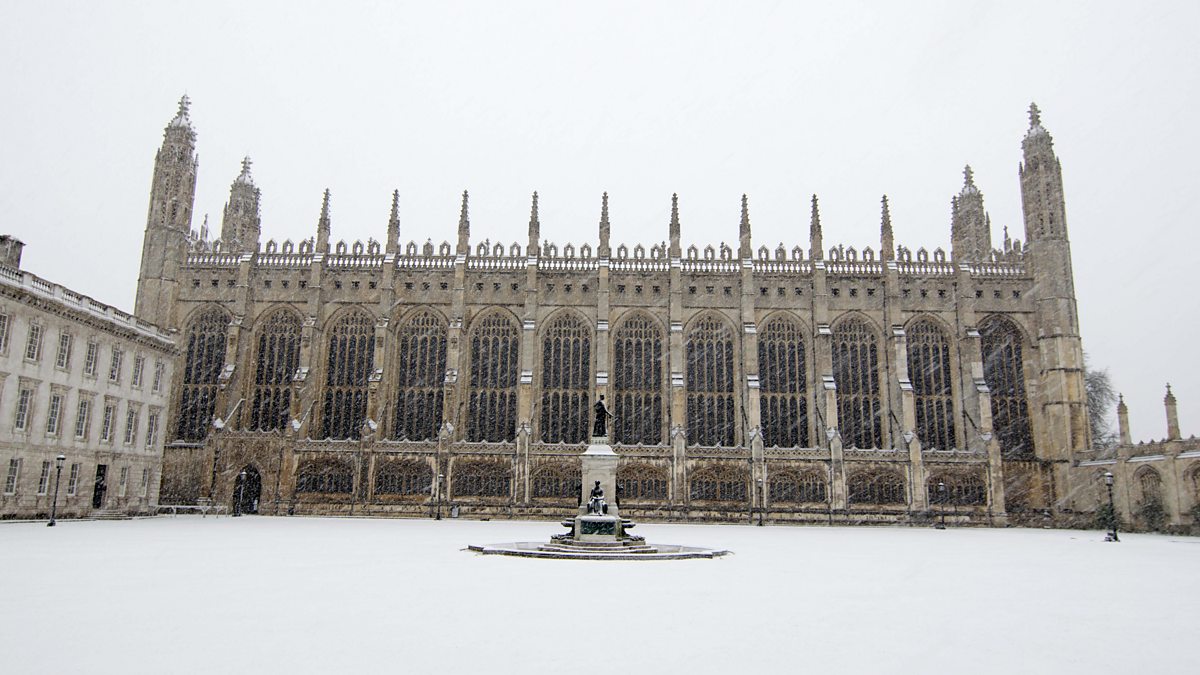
<point>600,427</point>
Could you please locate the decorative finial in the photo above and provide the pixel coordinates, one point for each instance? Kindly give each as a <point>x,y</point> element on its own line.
<point>395,203</point>
<point>325,204</point>
<point>968,176</point>
<point>674,208</point>
<point>816,246</point>
<point>886,238</point>
<point>604,208</point>
<point>185,105</point>
<point>1168,389</point>
<point>246,165</point>
<point>1035,116</point>
<point>533,211</point>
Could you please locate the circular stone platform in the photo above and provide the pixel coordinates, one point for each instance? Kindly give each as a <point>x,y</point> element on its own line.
<point>566,549</point>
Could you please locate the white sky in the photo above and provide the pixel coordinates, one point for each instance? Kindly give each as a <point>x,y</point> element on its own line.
<point>848,100</point>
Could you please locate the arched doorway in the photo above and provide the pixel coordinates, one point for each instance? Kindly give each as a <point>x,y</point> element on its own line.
<point>247,488</point>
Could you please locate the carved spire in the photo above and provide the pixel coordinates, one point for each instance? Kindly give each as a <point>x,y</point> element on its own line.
<point>676,251</point>
<point>182,119</point>
<point>535,228</point>
<point>393,231</point>
<point>464,228</point>
<point>886,239</point>
<point>604,250</point>
<point>241,224</point>
<point>1172,415</point>
<point>1123,421</point>
<point>815,250</point>
<point>744,246</point>
<point>323,225</point>
<point>968,181</point>
<point>970,227</point>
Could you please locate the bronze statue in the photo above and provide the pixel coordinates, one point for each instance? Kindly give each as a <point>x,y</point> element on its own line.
<point>597,504</point>
<point>600,428</point>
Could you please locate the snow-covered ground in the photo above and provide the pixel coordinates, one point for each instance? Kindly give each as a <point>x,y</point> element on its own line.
<point>299,595</point>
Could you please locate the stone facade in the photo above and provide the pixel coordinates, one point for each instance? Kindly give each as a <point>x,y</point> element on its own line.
<point>81,379</point>
<point>1156,484</point>
<point>794,383</point>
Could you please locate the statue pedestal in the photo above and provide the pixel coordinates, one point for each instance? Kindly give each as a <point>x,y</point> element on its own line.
<point>599,464</point>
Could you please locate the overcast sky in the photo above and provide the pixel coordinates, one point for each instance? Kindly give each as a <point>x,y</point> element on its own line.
<point>777,100</point>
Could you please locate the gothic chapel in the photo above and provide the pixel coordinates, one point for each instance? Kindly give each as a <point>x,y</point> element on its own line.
<point>798,383</point>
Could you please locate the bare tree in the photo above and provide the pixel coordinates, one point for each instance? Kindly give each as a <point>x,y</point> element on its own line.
<point>1101,397</point>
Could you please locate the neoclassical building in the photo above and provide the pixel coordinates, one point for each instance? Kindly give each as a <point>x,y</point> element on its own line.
<point>792,382</point>
<point>83,381</point>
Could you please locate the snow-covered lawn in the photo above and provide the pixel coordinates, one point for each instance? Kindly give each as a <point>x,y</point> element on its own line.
<point>300,595</point>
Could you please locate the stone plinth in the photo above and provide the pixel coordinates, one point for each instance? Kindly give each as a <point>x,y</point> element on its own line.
<point>600,464</point>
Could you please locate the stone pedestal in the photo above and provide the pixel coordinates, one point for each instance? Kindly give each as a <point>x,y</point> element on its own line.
<point>599,464</point>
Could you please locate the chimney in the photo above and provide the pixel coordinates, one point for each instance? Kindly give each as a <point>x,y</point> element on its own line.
<point>10,251</point>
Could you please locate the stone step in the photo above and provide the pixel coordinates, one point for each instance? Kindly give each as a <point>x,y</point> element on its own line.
<point>631,550</point>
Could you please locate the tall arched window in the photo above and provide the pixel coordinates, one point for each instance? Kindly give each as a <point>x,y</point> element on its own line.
<point>637,382</point>
<point>1004,372</point>
<point>492,401</point>
<point>1149,485</point>
<point>351,360</point>
<point>566,380</point>
<point>202,366</point>
<point>929,372</point>
<point>856,374</point>
<point>710,409</point>
<point>642,483</point>
<point>876,487</point>
<point>278,354</point>
<point>421,368</point>
<point>783,389</point>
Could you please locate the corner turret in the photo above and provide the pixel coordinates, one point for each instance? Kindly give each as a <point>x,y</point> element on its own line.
<point>169,220</point>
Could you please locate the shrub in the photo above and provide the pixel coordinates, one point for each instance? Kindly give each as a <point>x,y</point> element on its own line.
<point>1153,515</point>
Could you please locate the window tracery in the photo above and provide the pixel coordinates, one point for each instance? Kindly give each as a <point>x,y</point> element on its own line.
<point>799,487</point>
<point>642,482</point>
<point>325,476</point>
<point>1004,372</point>
<point>202,367</point>
<point>403,477</point>
<point>492,401</point>
<point>557,481</point>
<point>421,367</point>
<point>351,359</point>
<point>278,354</point>
<point>856,375</point>
<point>720,484</point>
<point>710,406</point>
<point>482,479</point>
<point>1149,485</point>
<point>637,382</point>
<point>875,487</point>
<point>566,380</point>
<point>929,371</point>
<point>783,389</point>
<point>961,489</point>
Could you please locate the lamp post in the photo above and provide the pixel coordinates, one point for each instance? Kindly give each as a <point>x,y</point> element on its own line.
<point>941,486</point>
<point>761,502</point>
<point>58,464</point>
<point>1112,507</point>
<point>237,500</point>
<point>440,478</point>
